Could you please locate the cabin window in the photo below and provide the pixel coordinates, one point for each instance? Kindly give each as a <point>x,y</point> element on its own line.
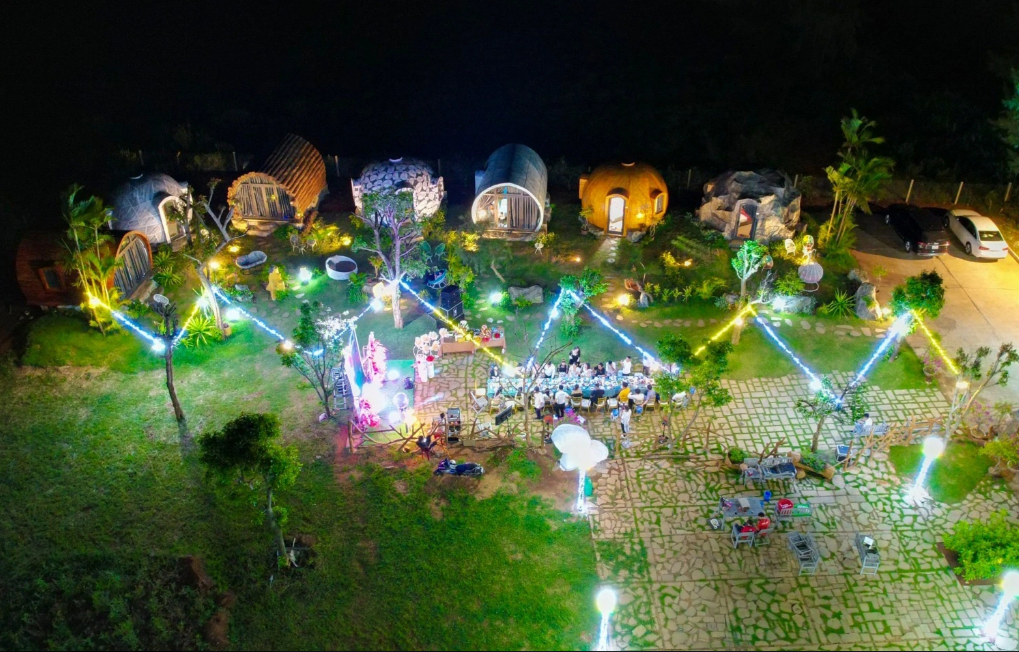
<point>659,203</point>
<point>51,279</point>
<point>503,206</point>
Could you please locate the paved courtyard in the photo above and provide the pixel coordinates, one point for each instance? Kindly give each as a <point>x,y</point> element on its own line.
<point>682,585</point>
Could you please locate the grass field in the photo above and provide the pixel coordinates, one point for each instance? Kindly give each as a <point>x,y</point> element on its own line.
<point>953,475</point>
<point>98,503</point>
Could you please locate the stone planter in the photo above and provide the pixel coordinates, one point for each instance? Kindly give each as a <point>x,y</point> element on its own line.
<point>339,268</point>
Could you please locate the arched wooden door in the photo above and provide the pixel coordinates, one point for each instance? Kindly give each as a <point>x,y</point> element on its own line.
<point>135,267</point>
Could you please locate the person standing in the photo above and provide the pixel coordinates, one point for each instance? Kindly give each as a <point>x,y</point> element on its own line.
<point>624,418</point>
<point>538,402</point>
<point>561,399</point>
<point>624,394</point>
<point>626,366</point>
<point>575,355</point>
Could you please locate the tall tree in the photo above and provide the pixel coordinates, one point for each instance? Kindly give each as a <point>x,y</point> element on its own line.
<point>700,375</point>
<point>749,259</point>
<point>923,294</point>
<point>90,256</point>
<point>250,450</point>
<point>845,407</point>
<point>169,327</point>
<point>390,230</point>
<point>316,350</point>
<point>856,179</point>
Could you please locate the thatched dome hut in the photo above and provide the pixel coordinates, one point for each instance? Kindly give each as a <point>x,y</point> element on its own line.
<point>623,197</point>
<point>408,174</point>
<point>511,193</point>
<point>142,205</point>
<point>286,189</point>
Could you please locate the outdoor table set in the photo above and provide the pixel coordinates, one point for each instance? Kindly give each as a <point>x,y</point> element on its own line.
<point>768,469</point>
<point>612,385</point>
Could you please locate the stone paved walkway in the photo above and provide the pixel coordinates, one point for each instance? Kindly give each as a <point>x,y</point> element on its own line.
<point>683,586</point>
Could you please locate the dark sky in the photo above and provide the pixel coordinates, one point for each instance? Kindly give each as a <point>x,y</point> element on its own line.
<point>715,84</point>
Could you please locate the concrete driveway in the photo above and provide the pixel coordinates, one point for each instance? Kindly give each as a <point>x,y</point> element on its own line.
<point>981,296</point>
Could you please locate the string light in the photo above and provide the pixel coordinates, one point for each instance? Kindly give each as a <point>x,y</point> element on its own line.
<point>553,314</point>
<point>937,347</point>
<point>722,331</point>
<point>898,329</point>
<point>815,381</point>
<point>121,318</point>
<point>456,327</point>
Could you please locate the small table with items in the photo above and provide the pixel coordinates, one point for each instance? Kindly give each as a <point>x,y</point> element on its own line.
<point>740,508</point>
<point>869,557</point>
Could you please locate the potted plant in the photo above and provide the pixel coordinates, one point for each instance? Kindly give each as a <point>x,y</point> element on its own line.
<point>932,366</point>
<point>736,456</point>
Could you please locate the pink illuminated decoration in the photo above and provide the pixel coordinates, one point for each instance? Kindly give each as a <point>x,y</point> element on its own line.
<point>374,359</point>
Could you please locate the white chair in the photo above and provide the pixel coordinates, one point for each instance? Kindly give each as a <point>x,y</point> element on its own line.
<point>586,404</point>
<point>478,404</point>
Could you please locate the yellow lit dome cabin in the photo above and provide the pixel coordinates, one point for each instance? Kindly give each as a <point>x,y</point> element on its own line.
<point>623,198</point>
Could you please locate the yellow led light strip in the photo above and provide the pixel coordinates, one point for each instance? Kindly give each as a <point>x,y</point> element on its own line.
<point>748,310</point>
<point>456,327</point>
<point>936,345</point>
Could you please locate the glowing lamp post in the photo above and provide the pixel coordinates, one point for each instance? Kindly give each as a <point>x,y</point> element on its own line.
<point>933,447</point>
<point>495,298</point>
<point>1009,592</point>
<point>606,602</point>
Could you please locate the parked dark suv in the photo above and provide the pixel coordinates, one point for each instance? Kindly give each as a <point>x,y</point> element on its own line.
<point>922,231</point>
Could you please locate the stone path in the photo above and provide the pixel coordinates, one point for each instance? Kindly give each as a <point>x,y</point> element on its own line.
<point>682,585</point>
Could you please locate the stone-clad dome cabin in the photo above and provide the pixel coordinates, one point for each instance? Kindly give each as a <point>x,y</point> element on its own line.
<point>142,204</point>
<point>623,198</point>
<point>762,206</point>
<point>407,174</point>
<point>286,189</point>
<point>511,193</point>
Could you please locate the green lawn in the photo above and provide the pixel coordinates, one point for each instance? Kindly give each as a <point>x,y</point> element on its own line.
<point>98,503</point>
<point>952,476</point>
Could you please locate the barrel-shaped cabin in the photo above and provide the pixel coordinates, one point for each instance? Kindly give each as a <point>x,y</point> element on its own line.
<point>285,190</point>
<point>511,194</point>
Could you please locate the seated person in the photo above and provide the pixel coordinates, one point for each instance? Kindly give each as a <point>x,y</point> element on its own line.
<point>586,371</point>
<point>599,369</point>
<point>763,523</point>
<point>549,370</point>
<point>564,367</point>
<point>575,355</point>
<point>574,369</point>
<point>598,392</point>
<point>626,366</point>
<point>493,371</point>
<point>610,368</point>
<point>636,397</point>
<point>652,396</point>
<point>577,392</point>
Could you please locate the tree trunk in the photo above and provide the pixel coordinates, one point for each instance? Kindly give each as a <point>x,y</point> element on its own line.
<point>281,545</point>
<point>397,312</point>
<point>213,299</point>
<point>817,435</point>
<point>737,330</point>
<point>178,412</point>
<point>743,288</point>
<point>323,382</point>
<point>689,425</point>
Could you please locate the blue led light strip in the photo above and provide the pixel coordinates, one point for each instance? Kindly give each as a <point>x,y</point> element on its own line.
<point>605,322</point>
<point>897,330</point>
<point>123,319</point>
<point>782,345</point>
<point>261,324</point>
<point>553,314</point>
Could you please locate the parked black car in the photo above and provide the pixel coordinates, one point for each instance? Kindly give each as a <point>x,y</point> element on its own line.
<point>921,230</point>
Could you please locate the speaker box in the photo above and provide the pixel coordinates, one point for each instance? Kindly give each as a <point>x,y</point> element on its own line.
<point>449,297</point>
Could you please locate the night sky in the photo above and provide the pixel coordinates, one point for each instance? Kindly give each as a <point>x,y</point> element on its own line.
<point>715,84</point>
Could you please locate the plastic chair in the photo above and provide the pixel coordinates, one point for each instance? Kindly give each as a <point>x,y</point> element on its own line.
<point>586,403</point>
<point>576,402</point>
<point>762,535</point>
<point>737,537</point>
<point>600,404</point>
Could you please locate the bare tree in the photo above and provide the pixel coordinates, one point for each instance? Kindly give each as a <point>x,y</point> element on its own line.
<point>169,328</point>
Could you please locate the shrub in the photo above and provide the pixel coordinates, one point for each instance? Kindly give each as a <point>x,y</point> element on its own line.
<point>737,455</point>
<point>201,331</point>
<point>706,290</point>
<point>355,289</point>
<point>841,306</point>
<point>790,284</point>
<point>569,327</point>
<point>812,461</point>
<point>985,549</point>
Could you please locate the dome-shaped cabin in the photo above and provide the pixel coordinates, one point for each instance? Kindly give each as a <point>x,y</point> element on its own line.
<point>285,190</point>
<point>620,198</point>
<point>143,203</point>
<point>511,193</point>
<point>407,174</point>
